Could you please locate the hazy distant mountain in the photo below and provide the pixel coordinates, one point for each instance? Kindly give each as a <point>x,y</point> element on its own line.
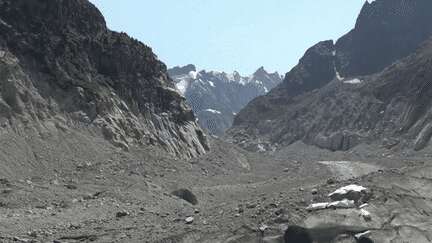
<point>216,97</point>
<point>334,98</point>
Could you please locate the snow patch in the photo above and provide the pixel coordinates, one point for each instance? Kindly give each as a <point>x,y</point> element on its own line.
<point>347,189</point>
<point>182,86</point>
<point>366,233</point>
<point>337,204</point>
<point>261,148</point>
<point>193,74</point>
<point>353,81</point>
<point>213,111</point>
<point>211,83</point>
<point>338,76</point>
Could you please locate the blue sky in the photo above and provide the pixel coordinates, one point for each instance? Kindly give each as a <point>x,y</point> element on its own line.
<point>227,35</point>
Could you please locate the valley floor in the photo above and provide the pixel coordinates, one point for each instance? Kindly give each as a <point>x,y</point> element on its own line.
<point>126,196</point>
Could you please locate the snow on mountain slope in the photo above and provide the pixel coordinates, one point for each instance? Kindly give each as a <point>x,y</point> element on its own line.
<point>216,97</point>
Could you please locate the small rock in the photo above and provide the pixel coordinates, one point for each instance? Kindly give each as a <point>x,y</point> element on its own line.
<point>122,214</point>
<point>239,210</point>
<point>263,228</point>
<point>273,205</point>
<point>280,211</point>
<point>365,214</point>
<point>22,240</point>
<point>314,191</point>
<point>7,191</point>
<point>89,196</point>
<point>189,220</point>
<point>71,186</point>
<point>33,234</point>
<point>282,219</point>
<point>251,205</point>
<point>5,182</point>
<point>331,181</point>
<point>286,170</point>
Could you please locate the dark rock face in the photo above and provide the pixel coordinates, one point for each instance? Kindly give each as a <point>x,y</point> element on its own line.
<point>393,105</point>
<point>65,63</point>
<point>216,97</point>
<point>330,98</point>
<point>315,69</point>
<point>386,30</point>
<point>365,240</point>
<point>297,234</point>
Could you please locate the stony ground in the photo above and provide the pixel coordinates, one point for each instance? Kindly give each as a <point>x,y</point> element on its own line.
<point>126,196</point>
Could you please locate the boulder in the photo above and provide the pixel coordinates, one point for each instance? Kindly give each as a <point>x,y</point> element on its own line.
<point>351,192</point>
<point>297,234</point>
<point>189,220</point>
<point>186,195</point>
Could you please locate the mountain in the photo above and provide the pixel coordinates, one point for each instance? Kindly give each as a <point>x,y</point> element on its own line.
<point>216,97</point>
<point>330,99</point>
<point>64,72</point>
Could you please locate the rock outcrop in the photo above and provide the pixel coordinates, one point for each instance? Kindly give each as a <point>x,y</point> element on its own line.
<point>216,97</point>
<point>330,99</point>
<point>62,67</point>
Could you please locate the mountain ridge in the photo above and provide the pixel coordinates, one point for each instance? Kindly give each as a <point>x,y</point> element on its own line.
<point>216,97</point>
<point>385,32</point>
<point>85,76</point>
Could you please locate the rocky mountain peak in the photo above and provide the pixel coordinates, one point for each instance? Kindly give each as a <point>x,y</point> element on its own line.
<point>236,76</point>
<point>314,70</point>
<point>184,70</point>
<point>55,16</point>
<point>260,71</point>
<point>91,77</point>
<point>216,97</point>
<point>386,30</point>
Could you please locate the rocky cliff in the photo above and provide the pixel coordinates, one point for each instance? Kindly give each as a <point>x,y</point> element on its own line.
<point>216,97</point>
<point>63,70</point>
<point>329,99</point>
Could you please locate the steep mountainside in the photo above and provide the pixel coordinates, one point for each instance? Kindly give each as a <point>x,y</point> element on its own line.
<point>62,70</point>
<point>216,97</point>
<point>329,98</point>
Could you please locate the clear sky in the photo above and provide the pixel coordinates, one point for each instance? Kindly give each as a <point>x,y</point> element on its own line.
<point>227,35</point>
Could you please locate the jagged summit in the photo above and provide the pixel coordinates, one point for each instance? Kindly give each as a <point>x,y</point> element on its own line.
<point>216,97</point>
<point>175,71</point>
